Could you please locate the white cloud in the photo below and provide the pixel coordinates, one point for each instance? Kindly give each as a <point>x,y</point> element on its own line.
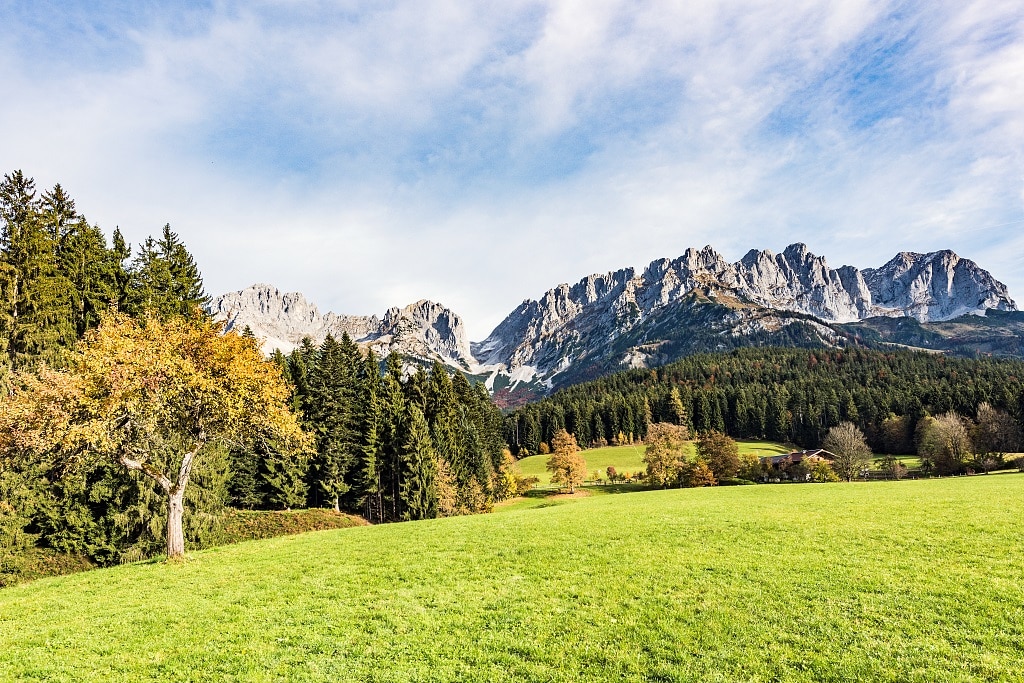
<point>479,154</point>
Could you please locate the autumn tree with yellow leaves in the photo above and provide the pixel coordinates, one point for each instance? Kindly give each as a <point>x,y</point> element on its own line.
<point>152,396</point>
<point>566,465</point>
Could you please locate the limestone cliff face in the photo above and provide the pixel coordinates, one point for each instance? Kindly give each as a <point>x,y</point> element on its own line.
<point>934,287</point>
<point>569,323</point>
<point>625,318</point>
<point>424,330</point>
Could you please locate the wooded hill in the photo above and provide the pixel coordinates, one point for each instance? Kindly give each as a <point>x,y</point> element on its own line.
<point>781,394</point>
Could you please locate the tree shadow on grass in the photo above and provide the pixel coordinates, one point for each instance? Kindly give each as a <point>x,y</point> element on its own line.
<point>585,491</point>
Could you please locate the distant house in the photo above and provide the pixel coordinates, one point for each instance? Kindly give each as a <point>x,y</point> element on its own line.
<point>776,467</point>
<point>811,456</point>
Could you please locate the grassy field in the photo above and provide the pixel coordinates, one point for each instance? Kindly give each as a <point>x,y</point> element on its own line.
<point>885,581</point>
<point>630,458</point>
<point>911,461</point>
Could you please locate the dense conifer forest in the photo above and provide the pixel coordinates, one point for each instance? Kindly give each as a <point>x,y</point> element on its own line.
<point>782,394</point>
<point>390,445</point>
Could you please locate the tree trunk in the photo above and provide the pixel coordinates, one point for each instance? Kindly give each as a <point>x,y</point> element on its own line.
<point>175,532</point>
<point>175,492</point>
<point>337,505</point>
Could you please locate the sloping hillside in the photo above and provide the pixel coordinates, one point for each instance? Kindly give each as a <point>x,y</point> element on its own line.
<point>902,581</point>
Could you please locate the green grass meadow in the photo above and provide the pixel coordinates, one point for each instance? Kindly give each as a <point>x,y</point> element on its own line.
<point>630,458</point>
<point>884,581</point>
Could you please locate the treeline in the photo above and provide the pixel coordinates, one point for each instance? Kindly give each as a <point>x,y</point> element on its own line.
<point>787,395</point>
<point>58,274</point>
<point>389,445</point>
<point>58,277</point>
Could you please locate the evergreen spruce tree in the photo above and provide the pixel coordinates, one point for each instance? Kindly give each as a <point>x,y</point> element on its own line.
<point>245,482</point>
<point>419,469</point>
<point>334,418</point>
<point>187,290</point>
<point>444,420</point>
<point>94,273</point>
<point>284,478</point>
<point>392,436</point>
<point>164,279</point>
<point>118,273</point>
<point>371,421</point>
<point>36,296</point>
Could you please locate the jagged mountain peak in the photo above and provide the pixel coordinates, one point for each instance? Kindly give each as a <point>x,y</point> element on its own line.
<point>424,329</point>
<point>570,325</point>
<point>938,285</point>
<point>797,251</point>
<point>637,317</point>
<point>755,256</point>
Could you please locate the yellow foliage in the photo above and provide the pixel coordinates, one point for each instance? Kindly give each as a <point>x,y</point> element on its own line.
<point>151,395</point>
<point>566,465</point>
<point>131,386</point>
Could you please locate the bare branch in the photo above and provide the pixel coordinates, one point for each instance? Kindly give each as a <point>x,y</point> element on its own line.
<point>185,471</point>
<point>148,470</point>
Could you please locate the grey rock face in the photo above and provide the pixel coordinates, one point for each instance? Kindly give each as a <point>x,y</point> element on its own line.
<point>425,329</point>
<point>934,287</point>
<point>625,316</point>
<point>282,319</point>
<point>569,323</point>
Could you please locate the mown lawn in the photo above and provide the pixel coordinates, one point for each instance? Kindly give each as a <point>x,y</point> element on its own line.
<point>630,459</point>
<point>886,581</point>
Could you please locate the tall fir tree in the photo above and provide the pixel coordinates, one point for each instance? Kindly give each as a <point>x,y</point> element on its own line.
<point>444,420</point>
<point>164,279</point>
<point>36,296</point>
<point>419,468</point>
<point>392,405</point>
<point>371,422</point>
<point>333,414</point>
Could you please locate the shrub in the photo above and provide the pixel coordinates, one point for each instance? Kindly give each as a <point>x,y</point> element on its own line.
<point>821,472</point>
<point>735,481</point>
<point>524,484</point>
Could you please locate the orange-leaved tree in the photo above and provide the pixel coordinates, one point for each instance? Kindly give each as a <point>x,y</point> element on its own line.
<point>153,396</point>
<point>566,465</point>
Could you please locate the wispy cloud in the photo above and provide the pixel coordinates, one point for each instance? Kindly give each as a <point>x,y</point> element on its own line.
<point>372,153</point>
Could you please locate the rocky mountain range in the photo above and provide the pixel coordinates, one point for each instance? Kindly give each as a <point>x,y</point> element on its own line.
<point>423,330</point>
<point>630,318</point>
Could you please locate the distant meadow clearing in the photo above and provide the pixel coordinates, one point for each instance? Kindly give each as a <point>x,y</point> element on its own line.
<point>630,458</point>
<point>883,581</point>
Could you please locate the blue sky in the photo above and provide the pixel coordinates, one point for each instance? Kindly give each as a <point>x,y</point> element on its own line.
<point>370,154</point>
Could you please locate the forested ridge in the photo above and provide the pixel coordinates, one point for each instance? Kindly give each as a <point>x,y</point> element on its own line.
<point>782,394</point>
